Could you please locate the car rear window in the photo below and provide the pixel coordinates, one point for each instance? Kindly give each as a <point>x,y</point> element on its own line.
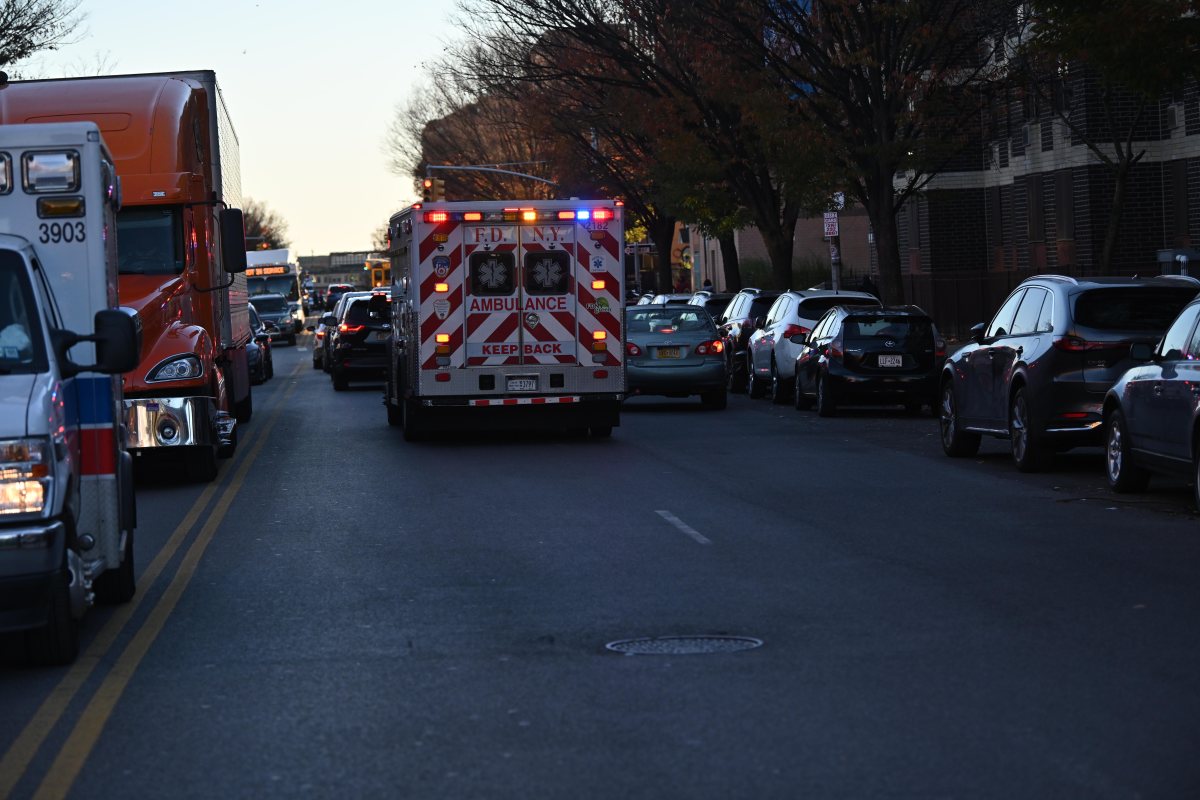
<point>1131,308</point>
<point>761,305</point>
<point>359,312</point>
<point>815,307</point>
<point>270,305</point>
<point>668,320</point>
<point>912,331</point>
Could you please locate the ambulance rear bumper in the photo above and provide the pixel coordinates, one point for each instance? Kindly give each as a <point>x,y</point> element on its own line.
<point>156,422</point>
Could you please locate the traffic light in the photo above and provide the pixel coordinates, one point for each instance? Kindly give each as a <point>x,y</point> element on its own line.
<point>427,189</point>
<point>439,189</point>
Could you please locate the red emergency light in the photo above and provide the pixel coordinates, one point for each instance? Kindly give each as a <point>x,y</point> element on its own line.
<point>437,216</point>
<point>602,214</point>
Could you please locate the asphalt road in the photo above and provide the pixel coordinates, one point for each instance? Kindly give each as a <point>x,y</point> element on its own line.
<point>347,615</point>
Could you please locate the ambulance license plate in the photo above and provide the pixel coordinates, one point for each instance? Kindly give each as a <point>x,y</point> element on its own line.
<point>522,384</point>
<point>667,352</point>
<point>891,361</point>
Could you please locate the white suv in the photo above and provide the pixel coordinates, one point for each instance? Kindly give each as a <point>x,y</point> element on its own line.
<point>771,356</point>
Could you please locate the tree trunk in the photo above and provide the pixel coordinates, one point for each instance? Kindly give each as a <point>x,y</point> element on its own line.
<point>729,260</point>
<point>662,233</point>
<point>882,211</point>
<point>1120,184</point>
<point>779,235</point>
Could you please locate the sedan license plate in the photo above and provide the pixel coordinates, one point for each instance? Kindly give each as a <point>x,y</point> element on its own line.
<point>522,384</point>
<point>379,336</point>
<point>667,352</point>
<point>891,361</point>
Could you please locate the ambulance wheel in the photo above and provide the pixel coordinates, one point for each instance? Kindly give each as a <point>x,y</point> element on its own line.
<point>243,410</point>
<point>57,642</point>
<point>201,463</point>
<point>413,431</point>
<point>118,585</point>
<point>601,431</point>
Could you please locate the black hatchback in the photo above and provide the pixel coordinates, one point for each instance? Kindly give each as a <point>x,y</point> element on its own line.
<point>876,356</point>
<point>359,347</point>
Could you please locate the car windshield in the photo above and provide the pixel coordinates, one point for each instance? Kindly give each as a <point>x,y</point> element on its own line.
<point>910,331</point>
<point>149,241</point>
<point>270,305</point>
<point>668,320</point>
<point>1131,308</point>
<point>21,344</point>
<point>274,284</point>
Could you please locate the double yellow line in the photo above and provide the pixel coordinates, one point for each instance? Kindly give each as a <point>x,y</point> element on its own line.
<point>82,739</point>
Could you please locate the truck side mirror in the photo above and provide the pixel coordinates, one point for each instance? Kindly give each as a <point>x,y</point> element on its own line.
<point>118,340</point>
<point>233,240</point>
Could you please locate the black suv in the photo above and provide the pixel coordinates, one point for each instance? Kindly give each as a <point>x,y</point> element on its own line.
<point>741,318</point>
<point>359,347</point>
<point>1038,372</point>
<point>891,354</point>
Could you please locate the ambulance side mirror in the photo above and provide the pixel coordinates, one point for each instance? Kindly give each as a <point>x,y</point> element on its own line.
<point>118,340</point>
<point>233,241</point>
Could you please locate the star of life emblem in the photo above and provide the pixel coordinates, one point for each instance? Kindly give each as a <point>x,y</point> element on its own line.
<point>547,273</point>
<point>493,273</point>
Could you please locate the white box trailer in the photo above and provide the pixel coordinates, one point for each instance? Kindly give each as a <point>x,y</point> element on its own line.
<point>507,313</point>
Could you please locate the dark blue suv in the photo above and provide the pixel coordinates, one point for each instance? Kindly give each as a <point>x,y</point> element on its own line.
<point>1038,372</point>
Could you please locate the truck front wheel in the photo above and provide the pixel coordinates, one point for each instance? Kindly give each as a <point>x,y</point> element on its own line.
<point>118,585</point>
<point>57,642</point>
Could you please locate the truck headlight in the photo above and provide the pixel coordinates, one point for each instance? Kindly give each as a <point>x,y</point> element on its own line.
<point>24,475</point>
<point>176,368</point>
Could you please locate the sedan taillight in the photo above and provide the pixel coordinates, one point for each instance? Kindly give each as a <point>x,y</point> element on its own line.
<point>713,348</point>
<point>632,349</point>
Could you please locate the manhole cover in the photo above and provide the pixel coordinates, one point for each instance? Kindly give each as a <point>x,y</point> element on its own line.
<point>683,645</point>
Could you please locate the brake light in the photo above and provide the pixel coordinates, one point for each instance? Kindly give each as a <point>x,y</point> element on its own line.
<point>344,328</point>
<point>715,347</point>
<point>436,216</point>
<point>795,330</point>
<point>632,349</point>
<point>1073,344</point>
<point>602,214</point>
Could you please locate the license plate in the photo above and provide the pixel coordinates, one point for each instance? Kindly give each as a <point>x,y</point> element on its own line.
<point>379,336</point>
<point>667,352</point>
<point>522,384</point>
<point>891,361</point>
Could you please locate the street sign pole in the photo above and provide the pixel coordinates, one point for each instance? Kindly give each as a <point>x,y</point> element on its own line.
<point>833,233</point>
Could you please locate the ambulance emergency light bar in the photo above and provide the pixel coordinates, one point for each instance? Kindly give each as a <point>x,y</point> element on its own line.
<point>519,215</point>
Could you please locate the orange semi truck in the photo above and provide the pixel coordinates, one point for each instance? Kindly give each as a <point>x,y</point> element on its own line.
<point>181,251</point>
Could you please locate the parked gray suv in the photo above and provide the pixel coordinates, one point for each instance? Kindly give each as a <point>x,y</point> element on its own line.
<point>1038,372</point>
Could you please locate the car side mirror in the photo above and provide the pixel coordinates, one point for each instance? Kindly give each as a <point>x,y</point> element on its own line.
<point>977,332</point>
<point>233,240</point>
<point>1140,351</point>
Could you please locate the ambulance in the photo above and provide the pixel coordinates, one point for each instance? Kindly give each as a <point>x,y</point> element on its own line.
<point>67,513</point>
<point>506,314</point>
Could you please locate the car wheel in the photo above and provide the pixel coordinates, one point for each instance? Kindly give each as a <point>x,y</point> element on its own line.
<point>340,383</point>
<point>1123,475</point>
<point>779,387</point>
<point>956,442</point>
<point>736,382</point>
<point>57,642</point>
<point>803,401</point>
<point>118,585</point>
<point>826,406</point>
<point>1029,453</point>
<point>754,387</point>
<point>716,400</point>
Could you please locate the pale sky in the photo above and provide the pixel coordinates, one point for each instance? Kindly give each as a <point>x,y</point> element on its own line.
<point>311,87</point>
